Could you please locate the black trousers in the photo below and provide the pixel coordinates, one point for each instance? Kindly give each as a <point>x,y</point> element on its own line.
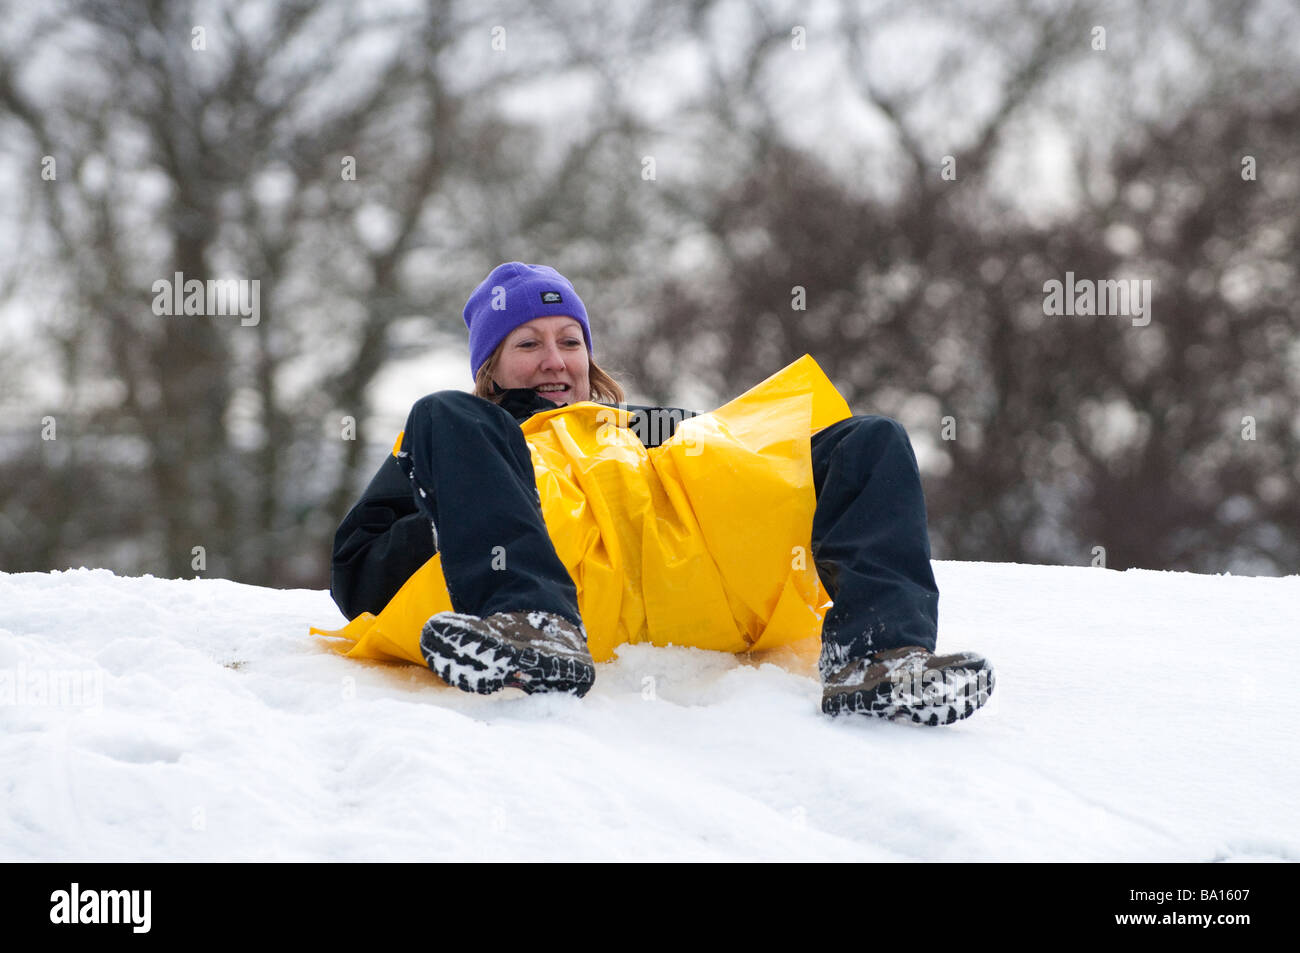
<point>472,475</point>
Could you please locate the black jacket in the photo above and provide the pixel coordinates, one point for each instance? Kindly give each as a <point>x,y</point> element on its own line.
<point>384,539</point>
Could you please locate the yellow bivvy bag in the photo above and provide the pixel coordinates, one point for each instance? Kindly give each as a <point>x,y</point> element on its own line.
<point>703,541</point>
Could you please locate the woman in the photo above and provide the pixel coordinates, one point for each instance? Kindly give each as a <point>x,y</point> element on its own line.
<point>462,484</point>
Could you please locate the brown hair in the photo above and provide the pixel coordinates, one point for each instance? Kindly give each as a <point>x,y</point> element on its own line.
<point>603,387</point>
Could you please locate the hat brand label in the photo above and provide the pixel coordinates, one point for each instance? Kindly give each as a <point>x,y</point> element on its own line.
<point>551,297</point>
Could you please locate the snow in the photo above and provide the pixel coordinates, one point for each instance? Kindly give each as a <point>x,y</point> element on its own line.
<point>1138,716</point>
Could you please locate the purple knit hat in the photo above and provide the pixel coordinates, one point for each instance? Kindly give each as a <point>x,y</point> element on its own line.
<point>514,294</point>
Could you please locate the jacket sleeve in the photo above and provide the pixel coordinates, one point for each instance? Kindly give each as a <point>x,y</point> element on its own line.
<point>380,544</point>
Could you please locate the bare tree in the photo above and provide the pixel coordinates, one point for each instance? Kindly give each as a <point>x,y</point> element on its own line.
<point>368,168</point>
<point>1047,436</point>
<point>359,166</point>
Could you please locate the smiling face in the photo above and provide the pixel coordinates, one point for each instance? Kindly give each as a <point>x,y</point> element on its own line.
<point>549,355</point>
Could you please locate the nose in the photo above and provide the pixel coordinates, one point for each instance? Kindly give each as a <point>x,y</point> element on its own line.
<point>552,357</point>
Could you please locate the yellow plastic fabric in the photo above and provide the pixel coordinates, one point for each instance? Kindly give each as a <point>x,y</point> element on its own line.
<point>702,541</point>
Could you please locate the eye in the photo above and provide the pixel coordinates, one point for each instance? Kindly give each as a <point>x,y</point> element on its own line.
<point>527,344</point>
<point>572,342</point>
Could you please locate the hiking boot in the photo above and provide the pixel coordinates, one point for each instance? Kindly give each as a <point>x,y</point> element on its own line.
<point>909,684</point>
<point>535,651</point>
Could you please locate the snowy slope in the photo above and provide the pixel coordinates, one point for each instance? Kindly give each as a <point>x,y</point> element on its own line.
<point>1138,716</point>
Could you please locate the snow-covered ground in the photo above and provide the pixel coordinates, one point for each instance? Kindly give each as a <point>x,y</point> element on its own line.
<point>1138,716</point>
